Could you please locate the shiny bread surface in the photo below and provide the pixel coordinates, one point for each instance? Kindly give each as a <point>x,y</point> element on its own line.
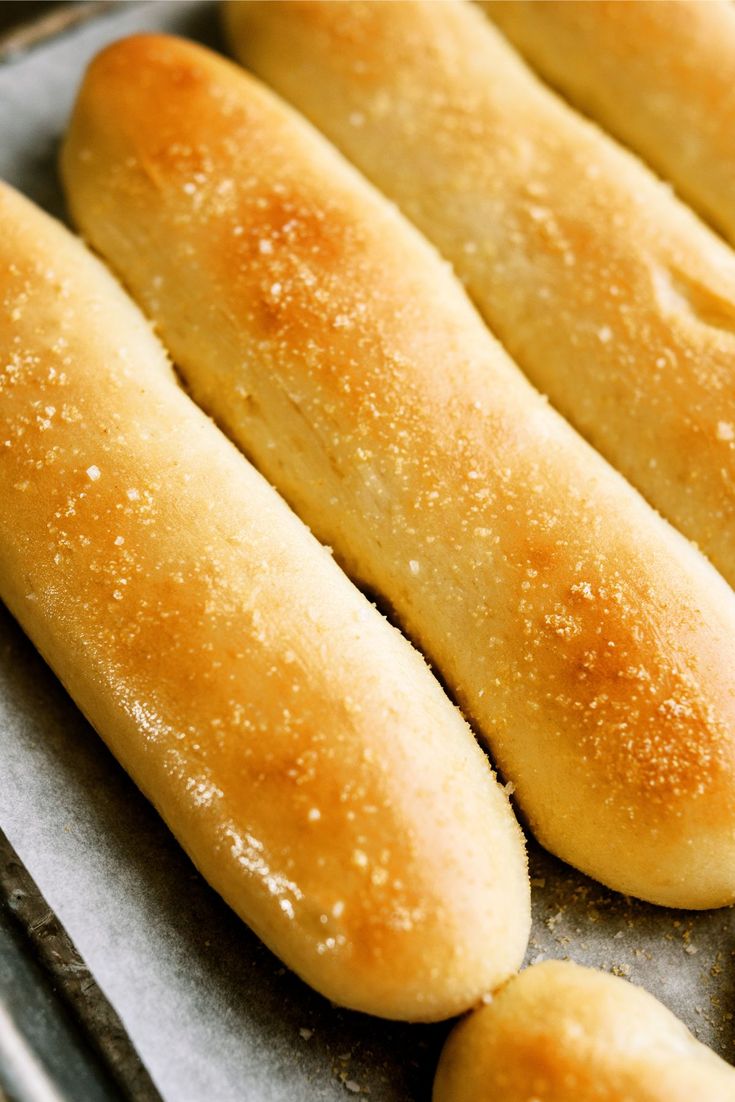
<point>293,741</point>
<point>588,641</point>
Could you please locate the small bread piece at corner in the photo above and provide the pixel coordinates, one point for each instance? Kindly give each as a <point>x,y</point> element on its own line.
<point>588,641</point>
<point>658,74</point>
<point>294,742</point>
<point>562,1033</point>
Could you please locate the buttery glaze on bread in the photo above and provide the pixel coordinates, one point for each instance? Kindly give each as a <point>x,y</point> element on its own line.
<point>561,1033</point>
<point>294,742</point>
<point>657,75</point>
<point>609,293</point>
<point>590,642</point>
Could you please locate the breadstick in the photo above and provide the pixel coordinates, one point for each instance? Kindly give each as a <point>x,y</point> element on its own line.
<point>590,643</point>
<point>610,295</point>
<point>293,741</point>
<point>561,1033</point>
<point>657,75</point>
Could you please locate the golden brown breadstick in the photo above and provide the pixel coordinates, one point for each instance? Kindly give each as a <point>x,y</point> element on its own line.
<point>561,1033</point>
<point>590,642</point>
<point>293,741</point>
<point>658,75</point>
<point>609,293</point>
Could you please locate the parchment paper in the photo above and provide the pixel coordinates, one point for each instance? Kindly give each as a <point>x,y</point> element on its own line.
<point>212,1013</point>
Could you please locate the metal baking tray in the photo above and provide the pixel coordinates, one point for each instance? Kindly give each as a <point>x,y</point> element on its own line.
<point>211,1013</point>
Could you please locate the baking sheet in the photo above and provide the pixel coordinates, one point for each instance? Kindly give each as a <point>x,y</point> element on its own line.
<point>212,1013</point>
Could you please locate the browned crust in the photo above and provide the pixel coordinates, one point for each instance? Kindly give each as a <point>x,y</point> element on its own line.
<point>293,741</point>
<point>589,642</point>
<point>610,295</point>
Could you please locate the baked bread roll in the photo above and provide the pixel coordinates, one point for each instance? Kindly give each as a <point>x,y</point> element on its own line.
<point>610,295</point>
<point>561,1033</point>
<point>293,741</point>
<point>590,643</point>
<point>658,75</point>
